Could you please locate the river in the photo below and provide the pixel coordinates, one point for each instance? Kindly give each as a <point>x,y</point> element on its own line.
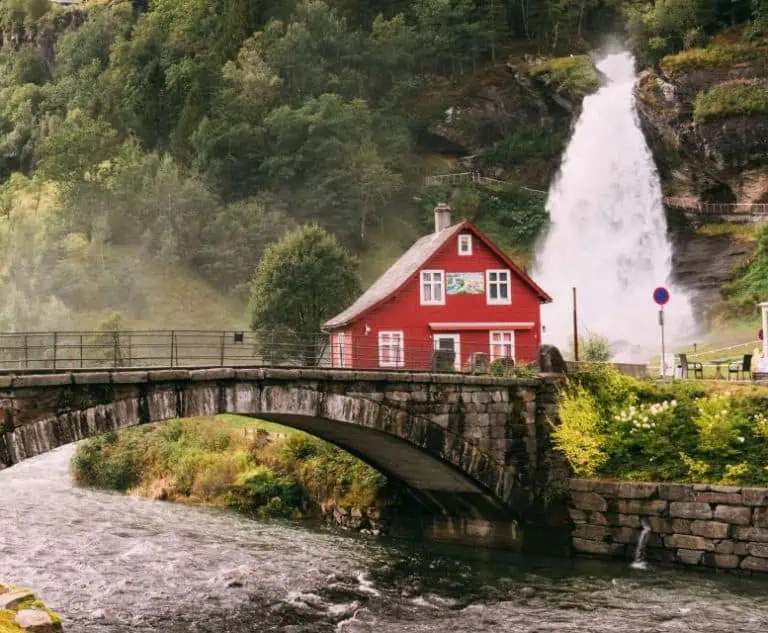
<point>114,564</point>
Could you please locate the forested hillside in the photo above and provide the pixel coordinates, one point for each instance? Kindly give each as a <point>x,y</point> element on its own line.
<point>150,145</point>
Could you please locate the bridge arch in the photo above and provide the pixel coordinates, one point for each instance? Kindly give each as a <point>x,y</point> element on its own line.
<point>466,446</point>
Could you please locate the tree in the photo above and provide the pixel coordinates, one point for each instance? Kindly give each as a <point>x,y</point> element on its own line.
<point>303,280</point>
<point>594,348</point>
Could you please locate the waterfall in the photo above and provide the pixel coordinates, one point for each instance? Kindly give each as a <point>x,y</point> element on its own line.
<point>639,562</point>
<point>607,235</point>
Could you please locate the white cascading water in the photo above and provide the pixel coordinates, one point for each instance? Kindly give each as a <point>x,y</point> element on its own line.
<point>608,230</point>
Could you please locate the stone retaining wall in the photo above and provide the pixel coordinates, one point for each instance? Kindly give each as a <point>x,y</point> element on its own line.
<point>706,525</point>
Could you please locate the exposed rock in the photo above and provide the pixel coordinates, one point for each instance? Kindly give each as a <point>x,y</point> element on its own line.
<point>690,510</point>
<point>597,547</point>
<point>12,599</point>
<point>689,557</point>
<point>643,507</point>
<point>689,542</point>
<point>721,160</point>
<point>737,515</point>
<point>35,621</point>
<point>758,549</point>
<point>755,496</point>
<point>551,360</point>
<point>759,535</point>
<point>635,490</point>
<point>755,564</point>
<point>710,529</point>
<point>588,501</point>
<point>675,492</point>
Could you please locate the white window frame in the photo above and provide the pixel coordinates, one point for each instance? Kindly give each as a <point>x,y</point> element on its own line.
<point>465,239</point>
<point>342,347</point>
<point>399,361</point>
<point>431,282</point>
<point>502,344</point>
<point>456,346</point>
<point>498,300</point>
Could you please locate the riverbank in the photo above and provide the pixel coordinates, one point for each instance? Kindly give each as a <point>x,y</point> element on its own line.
<point>257,468</point>
<point>21,610</point>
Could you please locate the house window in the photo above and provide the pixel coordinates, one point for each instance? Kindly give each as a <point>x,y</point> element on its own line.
<point>465,244</point>
<point>432,288</point>
<point>342,348</point>
<point>391,349</point>
<point>498,291</point>
<point>502,345</point>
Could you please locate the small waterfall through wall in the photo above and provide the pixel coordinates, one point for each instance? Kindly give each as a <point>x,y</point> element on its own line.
<point>608,229</point>
<point>642,545</point>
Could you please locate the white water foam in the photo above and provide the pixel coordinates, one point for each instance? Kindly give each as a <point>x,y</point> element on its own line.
<point>608,230</point>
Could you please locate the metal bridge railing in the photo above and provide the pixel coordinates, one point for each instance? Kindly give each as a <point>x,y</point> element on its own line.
<point>37,351</point>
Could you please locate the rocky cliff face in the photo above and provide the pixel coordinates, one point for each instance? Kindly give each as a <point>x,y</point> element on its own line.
<point>723,159</point>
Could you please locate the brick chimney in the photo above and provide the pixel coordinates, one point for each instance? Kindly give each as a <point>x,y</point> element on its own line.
<point>442,217</point>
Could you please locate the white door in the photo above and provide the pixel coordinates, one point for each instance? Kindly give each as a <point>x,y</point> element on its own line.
<point>451,342</point>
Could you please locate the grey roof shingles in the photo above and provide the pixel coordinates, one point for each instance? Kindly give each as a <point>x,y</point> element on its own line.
<point>397,274</point>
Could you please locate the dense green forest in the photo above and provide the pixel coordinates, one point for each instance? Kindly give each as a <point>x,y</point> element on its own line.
<point>141,138</point>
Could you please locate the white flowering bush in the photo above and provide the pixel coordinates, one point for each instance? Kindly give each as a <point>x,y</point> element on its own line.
<point>622,428</point>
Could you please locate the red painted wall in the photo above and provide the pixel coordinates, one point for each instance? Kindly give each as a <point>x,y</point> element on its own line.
<point>403,311</point>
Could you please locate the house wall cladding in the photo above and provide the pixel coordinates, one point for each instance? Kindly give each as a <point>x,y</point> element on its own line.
<point>704,525</point>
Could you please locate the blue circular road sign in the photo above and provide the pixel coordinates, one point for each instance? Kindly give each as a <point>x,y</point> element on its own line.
<point>661,295</point>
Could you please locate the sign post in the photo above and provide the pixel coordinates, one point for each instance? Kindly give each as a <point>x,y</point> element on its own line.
<point>575,329</point>
<point>661,297</point>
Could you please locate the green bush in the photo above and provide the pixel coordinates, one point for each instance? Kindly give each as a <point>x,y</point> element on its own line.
<point>732,98</point>
<point>594,348</point>
<point>576,73</point>
<point>525,143</point>
<point>578,435</point>
<point>262,490</point>
<point>615,426</point>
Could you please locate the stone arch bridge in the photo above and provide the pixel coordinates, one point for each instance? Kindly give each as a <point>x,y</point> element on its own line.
<point>475,450</point>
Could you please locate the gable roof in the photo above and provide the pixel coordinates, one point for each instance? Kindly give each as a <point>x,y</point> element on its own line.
<point>410,263</point>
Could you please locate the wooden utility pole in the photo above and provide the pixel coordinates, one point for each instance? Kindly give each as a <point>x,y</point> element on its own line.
<point>575,329</point>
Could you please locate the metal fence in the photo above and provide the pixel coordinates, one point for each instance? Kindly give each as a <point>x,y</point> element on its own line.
<point>35,351</point>
<point>718,208</point>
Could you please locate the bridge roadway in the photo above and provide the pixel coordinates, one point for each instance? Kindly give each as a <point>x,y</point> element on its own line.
<point>470,448</point>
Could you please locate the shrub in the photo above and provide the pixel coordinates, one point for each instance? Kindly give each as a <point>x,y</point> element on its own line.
<point>576,73</point>
<point>260,488</point>
<point>578,435</point>
<point>617,426</point>
<point>595,349</point>
<point>710,57</point>
<point>732,98</point>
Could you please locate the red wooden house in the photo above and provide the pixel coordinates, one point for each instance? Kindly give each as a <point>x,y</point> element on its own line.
<point>452,290</point>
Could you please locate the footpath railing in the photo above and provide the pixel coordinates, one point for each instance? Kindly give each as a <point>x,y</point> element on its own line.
<point>460,178</point>
<point>35,351</point>
<point>718,208</point>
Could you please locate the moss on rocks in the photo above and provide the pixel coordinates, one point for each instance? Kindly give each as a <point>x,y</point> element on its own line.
<point>576,73</point>
<point>12,620</point>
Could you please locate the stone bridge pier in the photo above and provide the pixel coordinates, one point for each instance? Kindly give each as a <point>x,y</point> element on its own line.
<point>474,451</point>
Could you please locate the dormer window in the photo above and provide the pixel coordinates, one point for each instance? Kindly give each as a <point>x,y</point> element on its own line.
<point>465,244</point>
<point>432,288</point>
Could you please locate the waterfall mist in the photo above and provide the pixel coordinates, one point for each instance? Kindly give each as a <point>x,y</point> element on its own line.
<point>608,230</point>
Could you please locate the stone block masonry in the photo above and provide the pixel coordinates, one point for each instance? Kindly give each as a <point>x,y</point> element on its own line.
<point>697,525</point>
